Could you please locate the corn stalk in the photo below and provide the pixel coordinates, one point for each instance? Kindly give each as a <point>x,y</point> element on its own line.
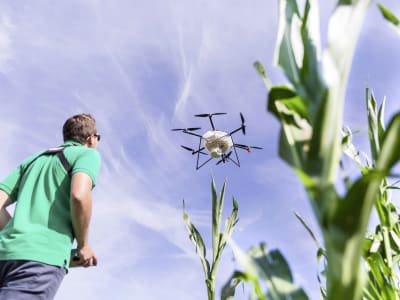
<point>219,239</point>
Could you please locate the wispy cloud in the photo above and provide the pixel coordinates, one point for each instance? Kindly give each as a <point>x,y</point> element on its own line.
<point>6,53</point>
<point>142,68</point>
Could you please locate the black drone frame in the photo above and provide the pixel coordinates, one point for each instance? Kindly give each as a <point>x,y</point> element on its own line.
<point>224,157</point>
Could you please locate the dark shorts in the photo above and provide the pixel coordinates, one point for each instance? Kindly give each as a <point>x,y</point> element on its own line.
<point>29,280</point>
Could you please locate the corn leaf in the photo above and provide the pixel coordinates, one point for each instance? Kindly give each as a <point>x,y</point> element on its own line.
<point>381,122</point>
<point>390,150</point>
<point>289,51</point>
<point>390,16</point>
<point>261,71</point>
<point>272,268</point>
<point>225,236</point>
<point>250,271</point>
<point>230,223</point>
<point>311,77</point>
<point>373,125</point>
<point>229,288</point>
<point>291,112</point>
<point>310,232</point>
<point>343,32</point>
<point>197,240</point>
<point>293,103</point>
<point>379,272</point>
<point>217,206</point>
<point>297,52</point>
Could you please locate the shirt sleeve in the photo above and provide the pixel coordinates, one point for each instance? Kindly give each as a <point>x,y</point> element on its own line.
<point>88,163</point>
<point>11,183</point>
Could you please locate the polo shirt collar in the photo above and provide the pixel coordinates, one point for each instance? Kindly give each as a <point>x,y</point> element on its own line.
<point>71,143</point>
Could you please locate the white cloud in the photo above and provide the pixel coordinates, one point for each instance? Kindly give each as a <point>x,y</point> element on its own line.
<point>142,68</point>
<point>6,47</point>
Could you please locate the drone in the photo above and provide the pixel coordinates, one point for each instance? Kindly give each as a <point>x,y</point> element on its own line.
<point>216,143</point>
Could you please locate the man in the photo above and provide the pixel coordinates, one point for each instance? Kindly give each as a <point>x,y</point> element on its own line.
<point>52,191</point>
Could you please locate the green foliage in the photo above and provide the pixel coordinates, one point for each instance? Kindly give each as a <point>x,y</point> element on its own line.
<point>390,17</point>
<point>310,111</point>
<point>219,239</point>
<point>382,248</point>
<point>268,266</point>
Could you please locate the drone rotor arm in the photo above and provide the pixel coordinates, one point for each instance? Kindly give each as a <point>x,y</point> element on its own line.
<point>211,121</point>
<point>198,167</point>
<point>236,130</point>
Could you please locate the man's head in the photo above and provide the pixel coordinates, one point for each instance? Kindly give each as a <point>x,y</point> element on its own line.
<point>81,128</point>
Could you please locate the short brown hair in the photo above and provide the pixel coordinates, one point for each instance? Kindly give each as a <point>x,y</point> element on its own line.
<point>79,127</point>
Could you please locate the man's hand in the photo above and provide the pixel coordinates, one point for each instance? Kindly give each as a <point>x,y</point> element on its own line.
<point>86,258</point>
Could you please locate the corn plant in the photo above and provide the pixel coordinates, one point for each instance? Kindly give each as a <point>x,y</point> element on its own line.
<point>219,239</point>
<point>310,110</point>
<point>381,248</point>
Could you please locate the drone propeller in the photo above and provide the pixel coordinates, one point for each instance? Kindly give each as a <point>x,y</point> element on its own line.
<point>186,129</point>
<point>243,124</point>
<point>187,148</point>
<point>194,151</point>
<point>245,147</point>
<point>209,115</point>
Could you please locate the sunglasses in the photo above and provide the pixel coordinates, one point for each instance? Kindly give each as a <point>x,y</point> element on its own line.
<point>98,136</point>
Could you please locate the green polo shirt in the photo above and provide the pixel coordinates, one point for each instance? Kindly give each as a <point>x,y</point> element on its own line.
<point>41,228</point>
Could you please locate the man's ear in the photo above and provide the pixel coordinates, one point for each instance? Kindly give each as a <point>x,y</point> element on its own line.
<point>89,142</point>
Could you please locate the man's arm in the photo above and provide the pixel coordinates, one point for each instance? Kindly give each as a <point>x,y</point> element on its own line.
<point>5,201</point>
<point>81,211</point>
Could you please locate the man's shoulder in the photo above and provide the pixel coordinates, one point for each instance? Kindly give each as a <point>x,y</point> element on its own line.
<point>27,161</point>
<point>82,155</point>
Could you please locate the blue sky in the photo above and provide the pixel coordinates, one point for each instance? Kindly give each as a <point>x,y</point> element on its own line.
<point>142,68</point>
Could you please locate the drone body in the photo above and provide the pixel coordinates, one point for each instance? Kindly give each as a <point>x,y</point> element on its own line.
<point>217,143</point>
